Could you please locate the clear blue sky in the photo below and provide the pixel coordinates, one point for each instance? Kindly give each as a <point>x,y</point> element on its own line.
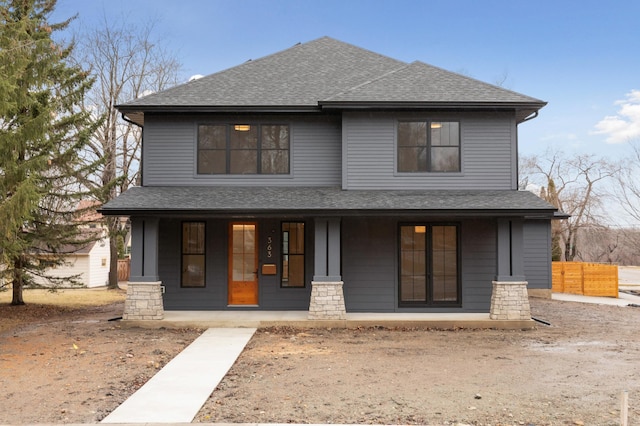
<point>582,57</point>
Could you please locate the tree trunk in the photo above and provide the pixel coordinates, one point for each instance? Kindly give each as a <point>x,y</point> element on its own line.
<point>17,283</point>
<point>113,264</point>
<point>567,247</point>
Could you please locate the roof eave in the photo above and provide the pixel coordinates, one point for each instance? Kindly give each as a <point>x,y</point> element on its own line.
<point>429,105</point>
<point>136,113</point>
<point>522,109</point>
<point>540,213</point>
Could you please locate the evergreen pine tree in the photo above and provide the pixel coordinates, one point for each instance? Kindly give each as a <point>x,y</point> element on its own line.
<point>43,133</point>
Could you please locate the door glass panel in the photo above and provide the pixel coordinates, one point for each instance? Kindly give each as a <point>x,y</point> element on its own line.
<point>445,267</point>
<point>244,253</point>
<point>413,268</point>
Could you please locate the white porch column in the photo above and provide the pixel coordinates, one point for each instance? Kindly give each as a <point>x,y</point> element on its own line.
<point>327,295</point>
<point>144,289</point>
<point>509,298</point>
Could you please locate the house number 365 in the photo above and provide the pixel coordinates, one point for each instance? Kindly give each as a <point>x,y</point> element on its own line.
<point>269,247</point>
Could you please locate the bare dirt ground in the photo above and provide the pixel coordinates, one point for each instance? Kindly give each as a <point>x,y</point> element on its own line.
<point>68,366</point>
<point>61,364</point>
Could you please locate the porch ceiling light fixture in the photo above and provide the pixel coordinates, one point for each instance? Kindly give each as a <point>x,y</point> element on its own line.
<point>436,125</point>
<point>242,127</point>
<point>420,229</point>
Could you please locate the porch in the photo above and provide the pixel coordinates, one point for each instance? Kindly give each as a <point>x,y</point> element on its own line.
<point>299,319</point>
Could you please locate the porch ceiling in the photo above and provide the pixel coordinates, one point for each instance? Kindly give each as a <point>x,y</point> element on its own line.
<point>322,201</point>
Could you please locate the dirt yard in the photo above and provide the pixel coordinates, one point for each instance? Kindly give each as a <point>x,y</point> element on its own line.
<point>73,365</point>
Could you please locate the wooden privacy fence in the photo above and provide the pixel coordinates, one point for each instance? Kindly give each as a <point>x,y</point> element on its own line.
<point>589,279</point>
<point>123,269</point>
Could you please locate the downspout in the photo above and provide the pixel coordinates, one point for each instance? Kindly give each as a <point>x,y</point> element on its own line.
<point>124,117</point>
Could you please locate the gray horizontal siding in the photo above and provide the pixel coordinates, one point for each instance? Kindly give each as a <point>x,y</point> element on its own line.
<point>169,155</point>
<point>487,149</point>
<point>478,264</point>
<point>214,295</point>
<point>369,260</point>
<point>369,267</point>
<point>537,253</point>
<point>370,272</point>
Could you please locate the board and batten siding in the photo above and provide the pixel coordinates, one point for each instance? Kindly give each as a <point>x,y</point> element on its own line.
<point>537,253</point>
<point>170,154</point>
<point>488,153</point>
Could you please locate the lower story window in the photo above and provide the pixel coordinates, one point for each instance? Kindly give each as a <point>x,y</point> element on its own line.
<point>292,254</point>
<point>193,254</point>
<point>429,265</point>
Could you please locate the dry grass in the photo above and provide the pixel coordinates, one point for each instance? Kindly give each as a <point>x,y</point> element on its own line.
<point>68,298</point>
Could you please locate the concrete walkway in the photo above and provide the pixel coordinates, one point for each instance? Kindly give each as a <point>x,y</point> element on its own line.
<point>177,392</point>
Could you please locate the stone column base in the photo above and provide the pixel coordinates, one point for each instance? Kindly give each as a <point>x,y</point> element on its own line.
<point>144,301</point>
<point>327,301</point>
<point>510,301</point>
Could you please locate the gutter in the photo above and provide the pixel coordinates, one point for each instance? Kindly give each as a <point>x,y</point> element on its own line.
<point>124,117</point>
<point>531,117</point>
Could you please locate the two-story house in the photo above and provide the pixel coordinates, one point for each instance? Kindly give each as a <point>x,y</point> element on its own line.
<point>332,179</point>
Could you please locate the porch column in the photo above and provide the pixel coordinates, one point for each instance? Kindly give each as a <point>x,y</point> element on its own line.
<point>327,295</point>
<point>509,298</point>
<point>144,291</point>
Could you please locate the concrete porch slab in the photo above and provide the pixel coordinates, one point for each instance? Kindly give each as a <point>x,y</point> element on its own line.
<point>258,319</point>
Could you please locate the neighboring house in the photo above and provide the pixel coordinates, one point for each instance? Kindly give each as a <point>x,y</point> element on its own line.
<point>87,262</point>
<point>333,179</point>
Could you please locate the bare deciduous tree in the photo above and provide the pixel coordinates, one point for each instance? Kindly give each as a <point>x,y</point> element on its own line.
<point>627,189</point>
<point>127,62</point>
<point>576,186</point>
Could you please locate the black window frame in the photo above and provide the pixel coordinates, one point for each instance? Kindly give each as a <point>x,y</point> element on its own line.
<point>303,254</point>
<point>429,302</point>
<point>203,254</point>
<point>429,147</point>
<point>228,149</point>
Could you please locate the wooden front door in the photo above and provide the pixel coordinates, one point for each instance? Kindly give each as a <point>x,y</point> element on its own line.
<point>243,263</point>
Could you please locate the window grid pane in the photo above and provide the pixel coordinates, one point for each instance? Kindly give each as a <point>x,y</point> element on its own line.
<point>243,149</point>
<point>436,150</point>
<point>293,260</point>
<point>193,254</point>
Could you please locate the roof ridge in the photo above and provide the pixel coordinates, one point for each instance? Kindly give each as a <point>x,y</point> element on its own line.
<point>380,77</point>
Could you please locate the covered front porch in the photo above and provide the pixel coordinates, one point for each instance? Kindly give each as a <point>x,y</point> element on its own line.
<point>441,259</point>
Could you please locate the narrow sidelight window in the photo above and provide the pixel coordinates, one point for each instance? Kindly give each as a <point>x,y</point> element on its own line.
<point>292,254</point>
<point>193,254</point>
<point>429,266</point>
<point>428,146</point>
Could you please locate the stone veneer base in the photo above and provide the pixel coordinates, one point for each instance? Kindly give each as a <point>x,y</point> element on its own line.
<point>144,301</point>
<point>510,301</point>
<point>327,301</point>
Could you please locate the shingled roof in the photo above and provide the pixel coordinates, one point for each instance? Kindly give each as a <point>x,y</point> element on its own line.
<point>211,200</point>
<point>327,73</point>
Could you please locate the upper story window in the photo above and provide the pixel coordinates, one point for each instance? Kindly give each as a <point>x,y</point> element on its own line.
<point>243,149</point>
<point>428,146</point>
